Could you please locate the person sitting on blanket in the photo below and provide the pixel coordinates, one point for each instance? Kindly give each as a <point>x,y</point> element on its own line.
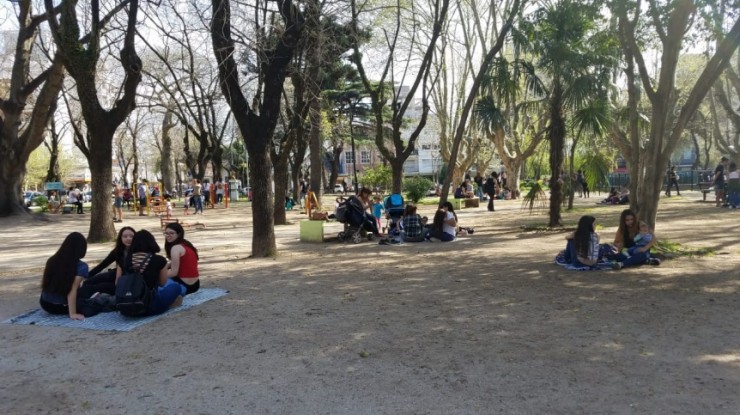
<point>413,229</point>
<point>105,281</point>
<point>183,258</point>
<point>582,248</point>
<point>443,226</point>
<point>144,259</point>
<point>63,274</point>
<point>625,238</point>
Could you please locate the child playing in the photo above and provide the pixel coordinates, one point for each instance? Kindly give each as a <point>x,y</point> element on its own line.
<point>641,239</point>
<point>169,207</point>
<point>378,210</point>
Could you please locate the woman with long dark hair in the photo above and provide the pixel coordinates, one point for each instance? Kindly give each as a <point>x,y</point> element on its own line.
<point>105,281</point>
<point>628,228</point>
<point>143,259</point>
<point>583,245</point>
<point>63,274</point>
<point>183,258</point>
<point>443,227</point>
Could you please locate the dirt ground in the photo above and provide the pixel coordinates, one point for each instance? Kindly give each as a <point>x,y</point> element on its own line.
<point>485,325</point>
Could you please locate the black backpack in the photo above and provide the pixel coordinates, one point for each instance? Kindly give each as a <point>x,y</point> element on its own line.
<point>133,297</point>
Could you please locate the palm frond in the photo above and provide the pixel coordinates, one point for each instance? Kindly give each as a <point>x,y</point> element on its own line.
<point>596,167</point>
<point>535,198</point>
<point>594,118</point>
<point>488,114</point>
<point>580,91</point>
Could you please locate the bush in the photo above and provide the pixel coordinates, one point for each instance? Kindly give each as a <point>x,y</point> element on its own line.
<point>41,201</point>
<point>416,188</point>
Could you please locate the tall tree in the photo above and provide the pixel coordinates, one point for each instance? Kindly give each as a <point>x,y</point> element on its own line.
<point>422,81</point>
<point>669,23</point>
<point>577,54</point>
<point>81,61</point>
<point>257,124</point>
<point>20,135</point>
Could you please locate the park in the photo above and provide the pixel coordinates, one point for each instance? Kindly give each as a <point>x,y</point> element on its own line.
<point>486,324</point>
<point>604,278</point>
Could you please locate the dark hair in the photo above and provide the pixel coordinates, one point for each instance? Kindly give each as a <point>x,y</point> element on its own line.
<point>144,242</point>
<point>624,230</point>
<point>410,210</point>
<point>366,191</point>
<point>733,166</point>
<point>438,222</point>
<point>120,248</point>
<point>582,237</point>
<point>61,268</point>
<point>447,204</point>
<point>179,240</point>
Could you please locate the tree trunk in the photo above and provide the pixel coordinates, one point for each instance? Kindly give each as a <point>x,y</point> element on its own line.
<point>101,213</point>
<point>11,177</point>
<point>397,172</point>
<point>260,172</point>
<point>281,189</point>
<point>167,166</point>
<point>557,138</point>
<point>299,155</point>
<point>315,147</point>
<point>52,175</point>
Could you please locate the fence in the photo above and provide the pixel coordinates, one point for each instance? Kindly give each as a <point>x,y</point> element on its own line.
<point>687,179</point>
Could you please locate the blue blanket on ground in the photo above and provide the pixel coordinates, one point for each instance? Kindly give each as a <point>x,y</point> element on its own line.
<point>601,265</point>
<point>113,321</point>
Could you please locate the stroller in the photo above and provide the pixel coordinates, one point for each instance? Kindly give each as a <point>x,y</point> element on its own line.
<point>351,213</point>
<point>394,207</point>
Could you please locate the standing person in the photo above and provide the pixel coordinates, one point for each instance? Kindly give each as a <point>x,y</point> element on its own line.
<point>219,191</point>
<point>74,198</point>
<point>378,210</point>
<point>584,185</point>
<point>197,196</point>
<point>207,194</point>
<point>490,188</point>
<point>672,180</point>
<point>141,195</point>
<point>117,203</point>
<point>502,179</point>
<point>579,183</point>
<point>344,186</point>
<point>719,182</point>
<point>143,259</point>
<point>98,279</point>
<point>63,274</point>
<point>304,191</point>
<point>478,179</point>
<point>183,258</point>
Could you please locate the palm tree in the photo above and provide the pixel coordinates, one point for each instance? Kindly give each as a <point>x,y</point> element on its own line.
<point>576,53</point>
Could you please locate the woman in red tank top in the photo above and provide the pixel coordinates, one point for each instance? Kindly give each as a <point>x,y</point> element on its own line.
<point>183,258</point>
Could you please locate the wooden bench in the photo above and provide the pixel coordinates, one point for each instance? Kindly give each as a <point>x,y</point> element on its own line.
<point>704,193</point>
<point>471,203</point>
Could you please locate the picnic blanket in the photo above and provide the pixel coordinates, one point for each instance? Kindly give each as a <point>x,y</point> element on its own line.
<point>603,263</point>
<point>112,321</point>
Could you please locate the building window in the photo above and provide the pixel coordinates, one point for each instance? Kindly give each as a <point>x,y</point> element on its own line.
<point>349,157</point>
<point>365,157</point>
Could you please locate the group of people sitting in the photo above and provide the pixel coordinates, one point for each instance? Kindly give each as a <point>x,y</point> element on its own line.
<point>68,284</point>
<point>444,227</point>
<point>631,245</point>
<point>617,197</point>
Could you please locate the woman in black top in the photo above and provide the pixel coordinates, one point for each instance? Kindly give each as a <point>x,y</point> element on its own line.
<point>63,274</point>
<point>105,281</point>
<point>143,258</point>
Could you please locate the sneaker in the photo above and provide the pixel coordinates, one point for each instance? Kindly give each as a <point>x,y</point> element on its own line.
<point>617,265</point>
<point>394,242</point>
<point>653,261</point>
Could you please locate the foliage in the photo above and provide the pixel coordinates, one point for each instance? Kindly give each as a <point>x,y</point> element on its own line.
<point>42,202</point>
<point>416,188</point>
<point>377,177</point>
<point>535,198</point>
<point>596,167</point>
<point>670,249</point>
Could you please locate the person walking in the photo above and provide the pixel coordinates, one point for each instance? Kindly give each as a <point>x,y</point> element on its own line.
<point>197,196</point>
<point>490,188</point>
<point>719,182</point>
<point>672,179</point>
<point>117,203</point>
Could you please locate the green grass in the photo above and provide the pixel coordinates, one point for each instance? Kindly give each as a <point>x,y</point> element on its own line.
<point>670,249</point>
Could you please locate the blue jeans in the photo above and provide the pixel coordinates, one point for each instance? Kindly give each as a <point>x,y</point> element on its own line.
<point>164,297</point>
<point>571,256</point>
<point>636,259</point>
<point>198,203</point>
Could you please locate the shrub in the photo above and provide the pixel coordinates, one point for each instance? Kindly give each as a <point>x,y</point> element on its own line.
<point>416,188</point>
<point>41,201</point>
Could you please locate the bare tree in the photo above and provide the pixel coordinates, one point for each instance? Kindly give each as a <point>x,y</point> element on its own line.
<point>257,123</point>
<point>22,129</point>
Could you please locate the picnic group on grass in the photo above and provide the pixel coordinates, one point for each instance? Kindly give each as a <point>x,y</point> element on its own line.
<point>143,283</point>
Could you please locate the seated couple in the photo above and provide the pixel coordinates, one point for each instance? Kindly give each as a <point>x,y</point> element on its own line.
<point>445,225</point>
<point>66,282</point>
<point>465,190</point>
<point>631,246</point>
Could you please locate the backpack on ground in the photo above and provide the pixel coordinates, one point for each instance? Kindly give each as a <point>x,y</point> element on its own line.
<point>133,296</point>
